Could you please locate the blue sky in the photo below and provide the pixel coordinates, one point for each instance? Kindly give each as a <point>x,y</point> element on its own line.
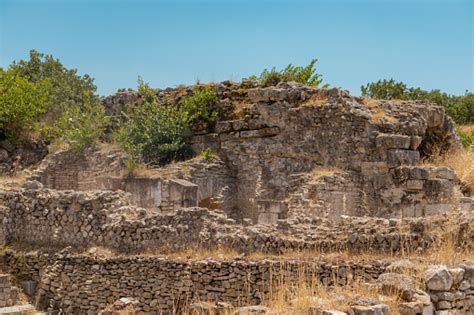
<point>426,43</point>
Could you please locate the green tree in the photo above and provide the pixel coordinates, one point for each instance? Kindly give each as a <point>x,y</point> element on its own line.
<point>21,101</point>
<point>66,86</point>
<point>43,95</point>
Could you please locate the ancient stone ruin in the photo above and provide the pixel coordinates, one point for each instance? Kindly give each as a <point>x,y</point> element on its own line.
<point>295,169</point>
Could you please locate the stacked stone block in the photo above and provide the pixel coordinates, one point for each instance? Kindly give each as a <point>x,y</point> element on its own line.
<point>8,293</point>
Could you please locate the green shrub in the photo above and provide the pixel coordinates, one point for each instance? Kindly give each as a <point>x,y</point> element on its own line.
<point>200,106</point>
<point>42,95</point>
<point>467,137</point>
<point>156,133</point>
<point>208,155</point>
<point>460,108</point>
<point>153,133</point>
<point>81,126</point>
<point>66,87</point>
<point>21,102</point>
<point>306,75</point>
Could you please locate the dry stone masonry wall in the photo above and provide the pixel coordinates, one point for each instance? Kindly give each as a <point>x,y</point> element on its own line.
<point>82,284</point>
<point>294,150</point>
<point>107,218</point>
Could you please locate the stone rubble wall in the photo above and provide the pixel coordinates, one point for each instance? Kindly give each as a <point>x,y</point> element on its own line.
<point>8,293</point>
<point>451,290</point>
<point>106,218</point>
<point>16,156</point>
<point>80,284</point>
<point>83,284</point>
<point>289,131</point>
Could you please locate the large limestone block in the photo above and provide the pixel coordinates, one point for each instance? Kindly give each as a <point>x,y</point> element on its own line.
<point>399,284</point>
<point>438,278</point>
<point>398,157</point>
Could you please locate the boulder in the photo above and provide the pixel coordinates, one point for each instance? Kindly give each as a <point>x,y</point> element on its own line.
<point>398,284</point>
<point>402,265</point>
<point>379,309</point>
<point>32,185</point>
<point>438,278</point>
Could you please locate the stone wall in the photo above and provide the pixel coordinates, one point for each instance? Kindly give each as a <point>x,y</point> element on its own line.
<point>73,171</point>
<point>275,143</point>
<point>106,218</point>
<point>8,293</point>
<point>153,192</point>
<point>451,290</point>
<point>76,284</point>
<point>14,156</point>
<point>83,284</point>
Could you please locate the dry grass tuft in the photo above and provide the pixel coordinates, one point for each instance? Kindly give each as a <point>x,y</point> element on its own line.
<point>315,100</point>
<point>306,293</point>
<point>379,115</point>
<point>14,181</point>
<point>318,172</point>
<point>133,169</point>
<point>467,129</point>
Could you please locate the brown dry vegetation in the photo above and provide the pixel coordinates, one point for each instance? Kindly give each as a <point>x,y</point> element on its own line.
<point>315,100</point>
<point>379,115</point>
<point>13,181</point>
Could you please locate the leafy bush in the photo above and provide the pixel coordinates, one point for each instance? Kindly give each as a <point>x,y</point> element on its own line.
<point>21,101</point>
<point>42,95</point>
<point>66,87</point>
<point>460,108</point>
<point>466,134</point>
<point>81,126</point>
<point>306,75</point>
<point>200,106</point>
<point>153,133</point>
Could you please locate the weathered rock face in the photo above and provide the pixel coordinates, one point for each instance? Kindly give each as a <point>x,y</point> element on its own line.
<point>301,150</point>
<point>292,150</point>
<point>16,156</point>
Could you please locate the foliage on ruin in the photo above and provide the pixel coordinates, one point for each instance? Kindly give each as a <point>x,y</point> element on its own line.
<point>82,126</point>
<point>466,135</point>
<point>200,106</point>
<point>21,102</point>
<point>153,133</point>
<point>460,108</point>
<point>42,96</point>
<point>208,155</point>
<point>301,74</point>
<point>66,88</point>
<point>156,132</point>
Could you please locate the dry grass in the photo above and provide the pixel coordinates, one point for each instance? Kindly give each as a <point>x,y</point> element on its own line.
<point>467,129</point>
<point>14,181</point>
<point>306,293</point>
<point>315,100</point>
<point>379,115</point>
<point>133,169</point>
